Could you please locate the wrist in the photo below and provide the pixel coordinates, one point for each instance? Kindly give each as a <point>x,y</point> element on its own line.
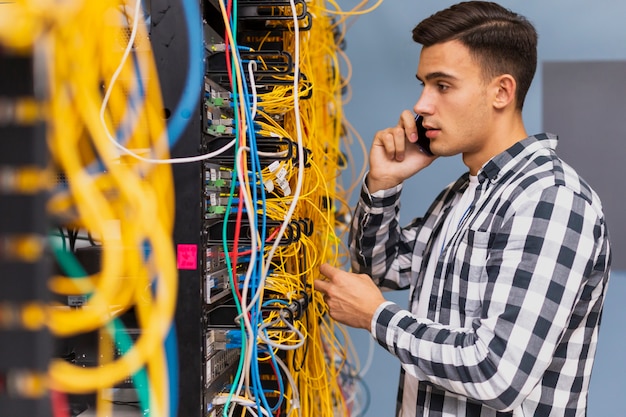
<point>374,185</point>
<point>374,319</point>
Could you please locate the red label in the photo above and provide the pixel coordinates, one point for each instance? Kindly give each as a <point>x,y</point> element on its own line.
<point>187,256</point>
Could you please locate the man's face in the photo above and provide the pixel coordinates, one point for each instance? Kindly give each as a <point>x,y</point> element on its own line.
<point>455,102</point>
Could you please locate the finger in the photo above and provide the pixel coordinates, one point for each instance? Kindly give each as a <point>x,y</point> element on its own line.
<point>399,142</point>
<point>392,141</point>
<point>329,271</point>
<point>321,285</point>
<point>385,139</point>
<point>407,122</point>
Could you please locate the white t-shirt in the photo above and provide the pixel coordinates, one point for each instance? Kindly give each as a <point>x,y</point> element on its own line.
<point>451,224</point>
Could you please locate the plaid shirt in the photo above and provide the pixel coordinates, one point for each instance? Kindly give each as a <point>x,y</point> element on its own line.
<point>517,294</point>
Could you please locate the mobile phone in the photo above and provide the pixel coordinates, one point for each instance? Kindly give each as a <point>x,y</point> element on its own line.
<point>422,140</point>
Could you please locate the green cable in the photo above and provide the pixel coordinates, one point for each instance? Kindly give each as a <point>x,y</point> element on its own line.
<point>73,269</point>
<point>229,204</point>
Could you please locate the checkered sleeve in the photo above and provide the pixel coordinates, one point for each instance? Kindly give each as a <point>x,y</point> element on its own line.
<point>381,248</point>
<point>538,285</point>
<point>378,246</point>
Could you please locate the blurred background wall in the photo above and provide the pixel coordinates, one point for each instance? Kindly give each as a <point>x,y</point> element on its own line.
<point>384,61</point>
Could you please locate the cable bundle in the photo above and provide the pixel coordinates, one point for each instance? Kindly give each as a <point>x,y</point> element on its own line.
<point>103,89</point>
<point>282,217</point>
<point>309,356</point>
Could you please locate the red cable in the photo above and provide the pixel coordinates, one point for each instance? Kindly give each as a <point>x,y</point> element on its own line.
<point>226,45</point>
<point>234,253</point>
<point>229,69</point>
<point>249,251</point>
<point>60,406</point>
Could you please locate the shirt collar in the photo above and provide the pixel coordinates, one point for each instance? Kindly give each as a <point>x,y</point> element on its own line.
<point>500,164</point>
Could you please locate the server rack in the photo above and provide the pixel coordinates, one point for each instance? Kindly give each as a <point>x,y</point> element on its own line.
<point>170,47</point>
<point>25,345</point>
<point>205,329</point>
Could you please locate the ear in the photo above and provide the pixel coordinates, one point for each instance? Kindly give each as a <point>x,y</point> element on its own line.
<point>505,88</point>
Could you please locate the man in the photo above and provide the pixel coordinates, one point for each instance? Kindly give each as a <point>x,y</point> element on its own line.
<point>508,268</point>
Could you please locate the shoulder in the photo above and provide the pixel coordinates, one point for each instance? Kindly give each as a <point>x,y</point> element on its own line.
<point>548,175</point>
<point>540,181</point>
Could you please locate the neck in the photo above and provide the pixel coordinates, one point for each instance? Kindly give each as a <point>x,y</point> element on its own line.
<point>504,133</point>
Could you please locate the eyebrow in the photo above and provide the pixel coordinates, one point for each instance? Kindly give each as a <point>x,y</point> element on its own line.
<point>437,74</point>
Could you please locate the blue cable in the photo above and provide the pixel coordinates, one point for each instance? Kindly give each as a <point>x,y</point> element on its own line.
<point>171,352</point>
<point>281,387</point>
<point>138,96</point>
<point>194,82</point>
<point>235,99</point>
<point>255,311</point>
<point>256,377</point>
<point>258,268</point>
<point>279,378</point>
<point>257,171</point>
<point>195,75</point>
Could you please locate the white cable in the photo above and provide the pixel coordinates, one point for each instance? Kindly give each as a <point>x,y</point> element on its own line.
<point>269,342</point>
<point>107,96</point>
<point>250,410</point>
<point>351,401</point>
<point>280,154</point>
<point>251,340</point>
<point>253,88</point>
<point>116,74</point>
<point>288,216</point>
<point>300,179</point>
<point>244,296</point>
<point>221,399</point>
<point>295,402</point>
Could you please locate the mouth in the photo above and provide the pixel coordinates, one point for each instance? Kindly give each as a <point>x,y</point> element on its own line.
<point>432,133</point>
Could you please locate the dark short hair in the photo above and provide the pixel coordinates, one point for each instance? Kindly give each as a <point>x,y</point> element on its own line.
<point>501,41</point>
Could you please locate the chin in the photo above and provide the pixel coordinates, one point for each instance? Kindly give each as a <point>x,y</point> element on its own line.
<point>437,151</point>
<point>443,151</point>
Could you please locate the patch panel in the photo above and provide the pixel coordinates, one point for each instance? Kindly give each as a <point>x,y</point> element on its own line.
<point>217,177</point>
<point>217,286</point>
<point>214,258</point>
<point>220,369</point>
<point>215,341</point>
<point>218,111</point>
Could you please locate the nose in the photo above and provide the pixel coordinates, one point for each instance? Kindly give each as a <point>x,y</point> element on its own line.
<point>424,105</point>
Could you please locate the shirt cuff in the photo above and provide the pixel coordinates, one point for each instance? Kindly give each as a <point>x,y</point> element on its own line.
<point>383,307</point>
<point>380,198</point>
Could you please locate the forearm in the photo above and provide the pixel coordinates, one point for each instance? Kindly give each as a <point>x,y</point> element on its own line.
<point>377,244</point>
<point>453,359</point>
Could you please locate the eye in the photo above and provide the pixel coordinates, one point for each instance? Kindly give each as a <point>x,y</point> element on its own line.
<point>442,87</point>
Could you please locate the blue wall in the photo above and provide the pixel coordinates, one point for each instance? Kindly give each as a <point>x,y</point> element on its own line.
<point>384,60</point>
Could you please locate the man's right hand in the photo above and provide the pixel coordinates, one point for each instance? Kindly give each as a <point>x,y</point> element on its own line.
<point>394,157</point>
